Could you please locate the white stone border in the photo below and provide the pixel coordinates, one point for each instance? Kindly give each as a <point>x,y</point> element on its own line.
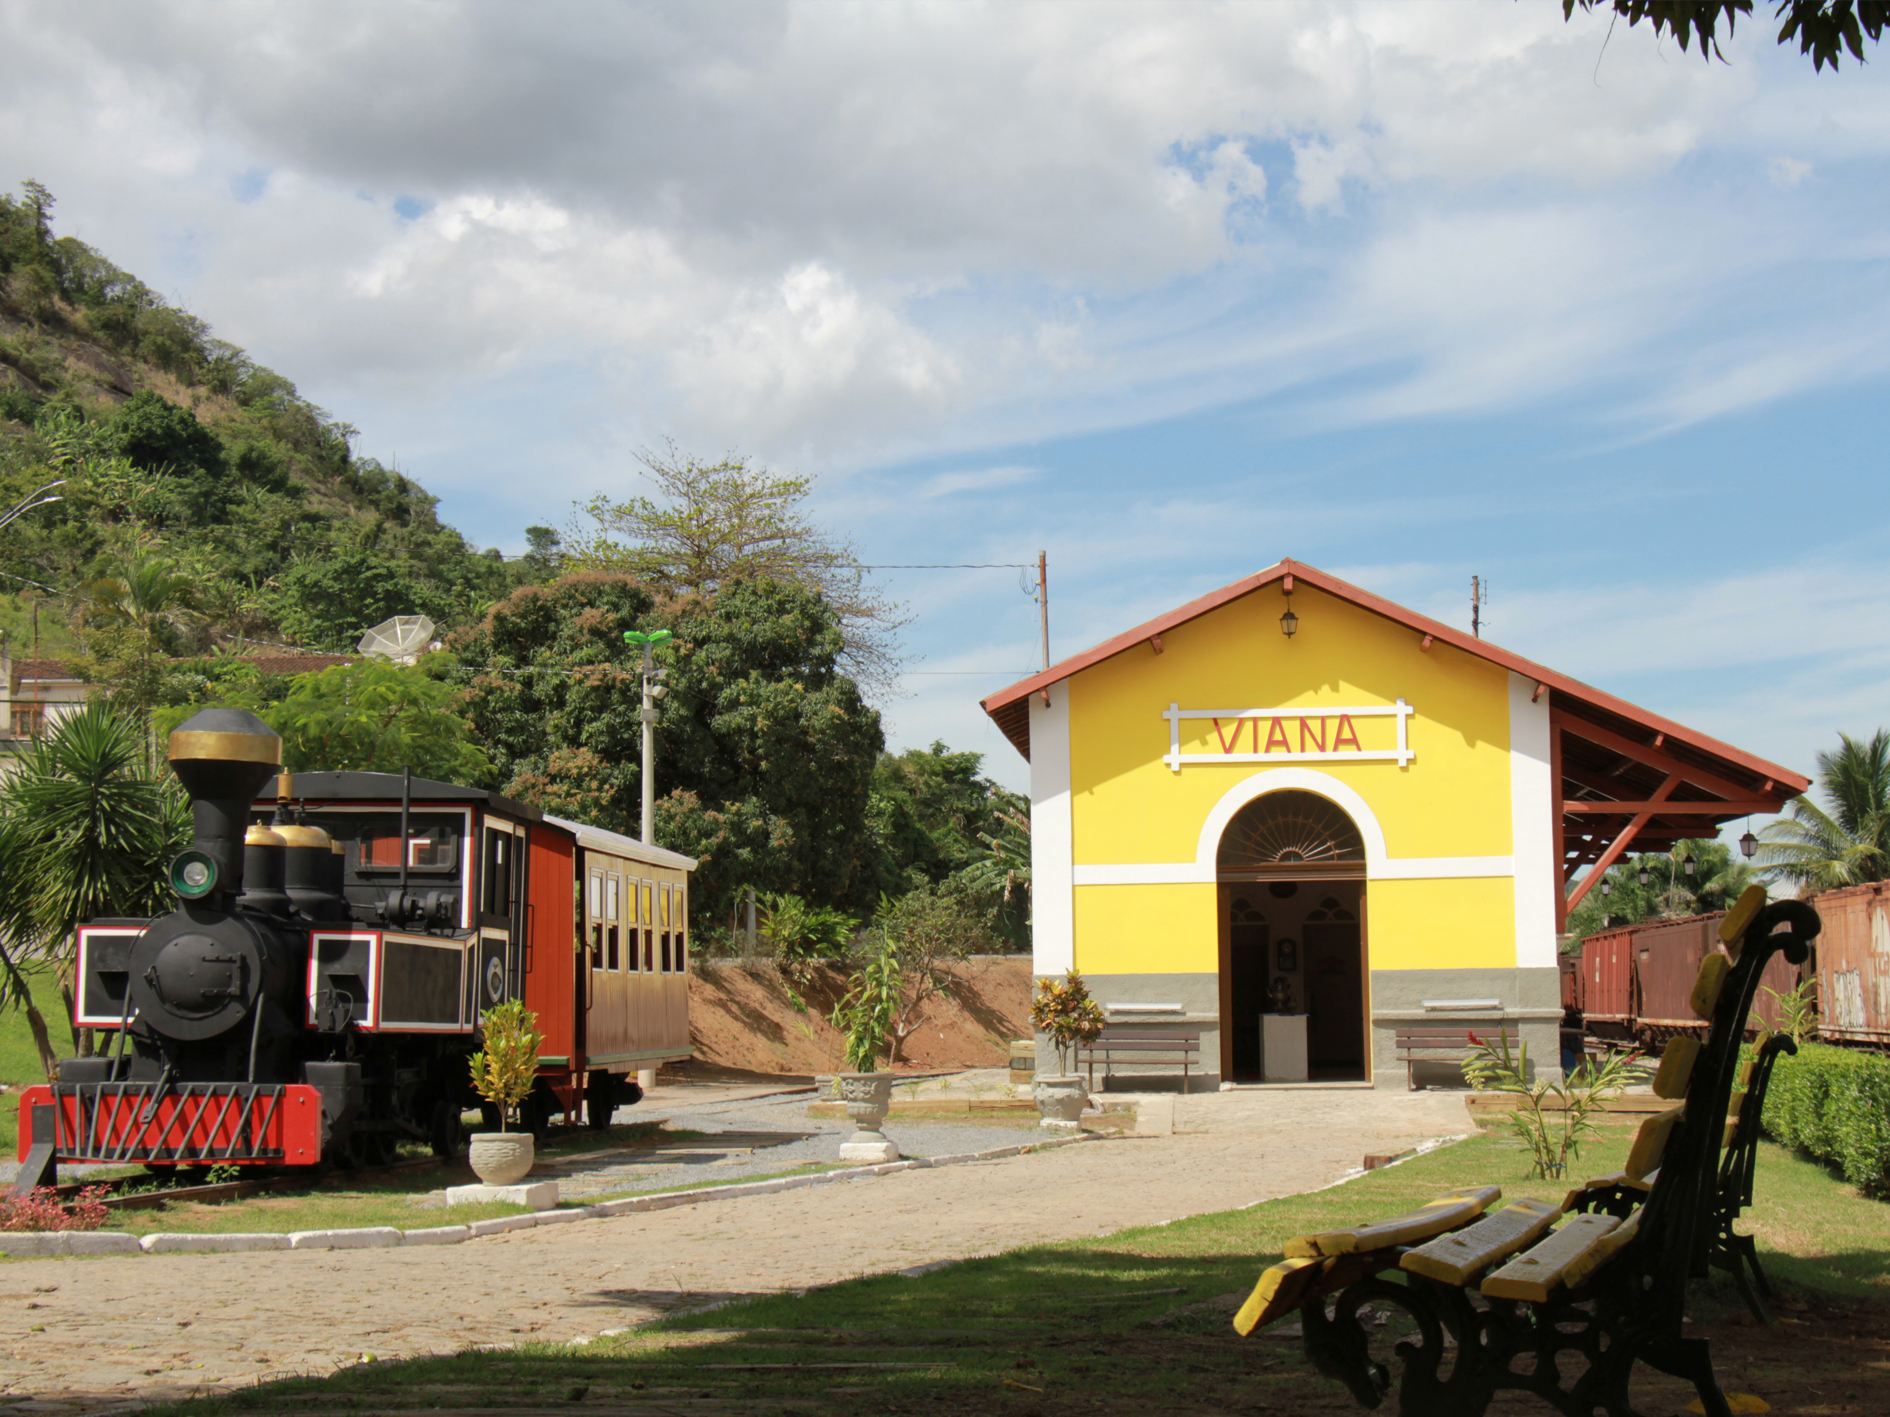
<point>49,1244</point>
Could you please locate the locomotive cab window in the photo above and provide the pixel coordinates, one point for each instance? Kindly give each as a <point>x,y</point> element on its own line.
<point>431,847</point>
<point>496,887</point>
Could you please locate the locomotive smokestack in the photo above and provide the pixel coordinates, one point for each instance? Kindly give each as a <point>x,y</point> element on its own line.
<point>223,757</point>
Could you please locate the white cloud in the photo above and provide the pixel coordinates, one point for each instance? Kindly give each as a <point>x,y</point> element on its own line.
<point>949,484</point>
<point>1787,171</point>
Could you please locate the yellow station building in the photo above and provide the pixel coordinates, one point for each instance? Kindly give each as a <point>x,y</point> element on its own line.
<point>1292,809</point>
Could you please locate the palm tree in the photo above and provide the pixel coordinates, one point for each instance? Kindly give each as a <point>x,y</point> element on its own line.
<point>1848,845</point>
<point>85,830</point>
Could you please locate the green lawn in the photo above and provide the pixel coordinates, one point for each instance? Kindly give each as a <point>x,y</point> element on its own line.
<point>1139,1322</point>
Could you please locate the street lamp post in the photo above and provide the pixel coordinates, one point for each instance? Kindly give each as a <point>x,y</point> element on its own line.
<point>653,689</point>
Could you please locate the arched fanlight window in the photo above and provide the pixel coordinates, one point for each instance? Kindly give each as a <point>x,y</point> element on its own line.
<point>1290,834</point>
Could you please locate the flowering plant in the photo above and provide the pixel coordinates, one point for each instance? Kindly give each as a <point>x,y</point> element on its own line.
<point>1064,1010</point>
<point>40,1210</point>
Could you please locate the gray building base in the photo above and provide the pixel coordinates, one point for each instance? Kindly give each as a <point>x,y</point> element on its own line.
<point>1528,1000</point>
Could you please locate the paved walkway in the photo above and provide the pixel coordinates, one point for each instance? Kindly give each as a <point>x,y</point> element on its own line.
<point>91,1334</point>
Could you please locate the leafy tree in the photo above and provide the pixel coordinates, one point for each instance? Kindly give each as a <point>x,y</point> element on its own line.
<point>1848,845</point>
<point>801,935</point>
<point>929,930</point>
<point>157,436</point>
<point>1718,878</point>
<point>331,600</point>
<point>764,749</point>
<point>87,827</point>
<point>719,523</point>
<point>369,716</point>
<point>544,554</point>
<point>1823,28</point>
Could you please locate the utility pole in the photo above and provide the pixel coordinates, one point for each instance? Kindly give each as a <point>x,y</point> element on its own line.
<point>1479,592</point>
<point>653,689</point>
<point>1043,601</point>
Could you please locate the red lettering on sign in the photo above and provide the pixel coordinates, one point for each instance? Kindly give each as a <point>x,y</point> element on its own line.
<point>1276,733</point>
<point>1306,735</point>
<point>1346,734</point>
<point>1226,746</point>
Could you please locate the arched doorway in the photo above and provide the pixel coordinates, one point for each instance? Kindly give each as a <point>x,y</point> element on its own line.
<point>1291,867</point>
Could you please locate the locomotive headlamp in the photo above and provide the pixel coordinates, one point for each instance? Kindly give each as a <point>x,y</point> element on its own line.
<point>193,875</point>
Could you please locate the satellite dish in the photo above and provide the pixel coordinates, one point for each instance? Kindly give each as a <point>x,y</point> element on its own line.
<point>401,639</point>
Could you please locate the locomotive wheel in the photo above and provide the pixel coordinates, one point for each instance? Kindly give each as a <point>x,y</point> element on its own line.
<point>382,1148</point>
<point>445,1130</point>
<point>600,1098</point>
<point>351,1153</point>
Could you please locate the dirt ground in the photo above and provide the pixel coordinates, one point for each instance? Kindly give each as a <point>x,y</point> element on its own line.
<point>741,1017</point>
<point>107,1330</point>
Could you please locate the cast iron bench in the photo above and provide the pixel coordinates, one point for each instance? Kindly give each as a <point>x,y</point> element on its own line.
<point>1508,1291</point>
<point>1139,1043</point>
<point>1440,1043</point>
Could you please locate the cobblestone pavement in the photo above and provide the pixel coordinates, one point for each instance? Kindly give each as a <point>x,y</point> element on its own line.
<point>750,1136</point>
<point>92,1334</point>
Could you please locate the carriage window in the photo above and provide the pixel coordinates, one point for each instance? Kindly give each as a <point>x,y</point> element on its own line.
<point>612,956</point>
<point>596,908</point>
<point>682,930</point>
<point>649,930</point>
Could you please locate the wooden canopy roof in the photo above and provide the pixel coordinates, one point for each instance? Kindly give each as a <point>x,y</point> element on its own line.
<point>1627,776</point>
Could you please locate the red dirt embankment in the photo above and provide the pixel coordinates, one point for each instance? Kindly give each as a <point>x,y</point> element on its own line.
<point>741,1016</point>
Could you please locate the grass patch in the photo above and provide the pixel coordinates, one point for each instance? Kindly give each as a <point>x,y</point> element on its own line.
<point>1135,1322</point>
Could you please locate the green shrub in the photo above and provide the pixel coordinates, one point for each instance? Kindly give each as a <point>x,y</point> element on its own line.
<point>1834,1104</point>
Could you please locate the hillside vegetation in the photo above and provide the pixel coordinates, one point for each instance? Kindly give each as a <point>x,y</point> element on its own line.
<point>177,447</point>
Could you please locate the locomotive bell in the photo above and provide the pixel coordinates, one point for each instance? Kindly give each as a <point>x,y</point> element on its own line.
<point>223,757</point>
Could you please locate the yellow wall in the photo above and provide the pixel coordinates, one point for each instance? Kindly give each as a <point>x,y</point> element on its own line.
<point>1147,929</point>
<point>1452,799</point>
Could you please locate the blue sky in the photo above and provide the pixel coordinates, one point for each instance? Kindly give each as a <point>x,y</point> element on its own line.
<point>1408,291</point>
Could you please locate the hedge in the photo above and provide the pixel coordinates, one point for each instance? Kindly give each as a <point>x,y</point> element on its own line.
<point>1834,1104</point>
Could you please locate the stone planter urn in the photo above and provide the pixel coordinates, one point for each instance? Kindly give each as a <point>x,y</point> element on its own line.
<point>1060,1101</point>
<point>868,1096</point>
<point>501,1158</point>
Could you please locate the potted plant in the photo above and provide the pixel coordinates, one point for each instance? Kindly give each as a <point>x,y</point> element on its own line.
<point>1064,1010</point>
<point>865,1019</point>
<point>504,1073</point>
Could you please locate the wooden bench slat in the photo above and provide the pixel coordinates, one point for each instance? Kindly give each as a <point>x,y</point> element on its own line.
<point>1650,1142</point>
<point>1711,979</point>
<point>1290,1283</point>
<point>1454,1258</point>
<point>1447,1213</point>
<point>1676,1067</point>
<point>1530,1276</point>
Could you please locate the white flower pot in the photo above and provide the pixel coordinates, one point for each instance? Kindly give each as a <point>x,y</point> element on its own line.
<point>500,1158</point>
<point>1060,1102</point>
<point>868,1097</point>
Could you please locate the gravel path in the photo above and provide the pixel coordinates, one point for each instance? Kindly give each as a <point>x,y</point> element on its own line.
<point>87,1335</point>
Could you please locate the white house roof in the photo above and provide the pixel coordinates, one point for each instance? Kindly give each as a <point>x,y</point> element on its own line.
<point>597,839</point>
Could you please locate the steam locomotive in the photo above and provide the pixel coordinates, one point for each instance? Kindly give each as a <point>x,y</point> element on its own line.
<point>316,993</point>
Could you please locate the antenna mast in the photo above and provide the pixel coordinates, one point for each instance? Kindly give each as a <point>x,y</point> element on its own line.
<point>1479,593</point>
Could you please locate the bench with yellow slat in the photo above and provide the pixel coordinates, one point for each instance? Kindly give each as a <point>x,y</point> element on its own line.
<point>1455,1257</point>
<point>1533,1274</point>
<point>1447,1213</point>
<point>1604,1273</point>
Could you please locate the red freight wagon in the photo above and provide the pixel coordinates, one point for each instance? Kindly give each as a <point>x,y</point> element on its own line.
<point>1852,959</point>
<point>1608,984</point>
